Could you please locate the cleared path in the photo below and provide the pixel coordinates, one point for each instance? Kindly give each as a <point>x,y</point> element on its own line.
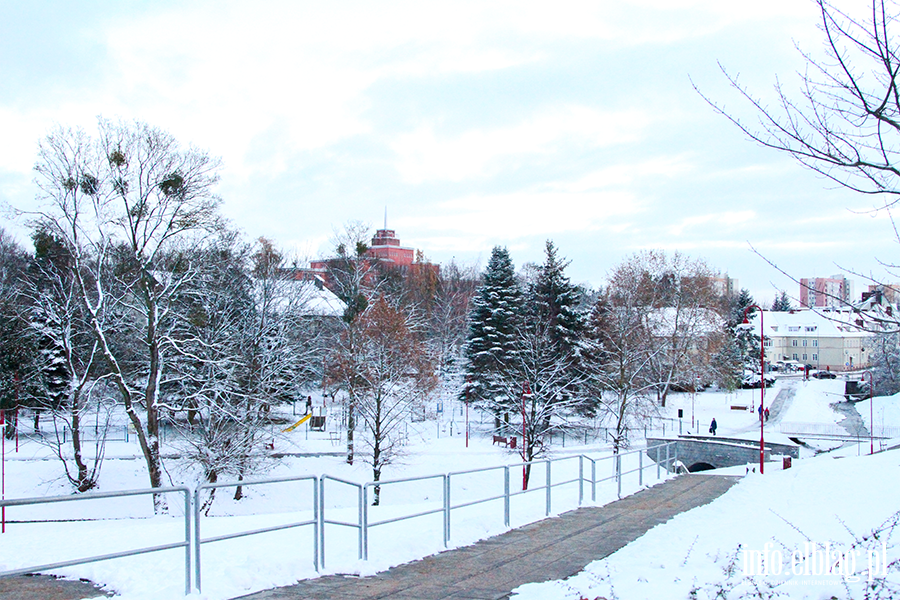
<point>550,549</point>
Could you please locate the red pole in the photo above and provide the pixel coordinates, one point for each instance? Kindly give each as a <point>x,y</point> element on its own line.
<point>3,469</point>
<point>468,389</point>
<point>871,412</point>
<point>762,382</point>
<point>762,389</point>
<point>524,456</point>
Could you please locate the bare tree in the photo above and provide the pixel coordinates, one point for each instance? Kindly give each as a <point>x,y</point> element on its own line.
<point>117,202</point>
<point>621,361</point>
<point>352,277</point>
<point>73,387</point>
<point>844,123</point>
<point>385,370</point>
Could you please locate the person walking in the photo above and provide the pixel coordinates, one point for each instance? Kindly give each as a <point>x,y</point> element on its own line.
<point>713,426</point>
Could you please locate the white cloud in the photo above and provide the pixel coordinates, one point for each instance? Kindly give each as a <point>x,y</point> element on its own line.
<point>527,213</point>
<point>425,155</point>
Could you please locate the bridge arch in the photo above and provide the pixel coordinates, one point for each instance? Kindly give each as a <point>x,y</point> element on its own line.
<point>700,466</point>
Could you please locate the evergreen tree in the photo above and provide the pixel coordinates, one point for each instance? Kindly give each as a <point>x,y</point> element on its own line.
<point>747,343</point>
<point>493,327</point>
<point>782,303</point>
<point>556,300</point>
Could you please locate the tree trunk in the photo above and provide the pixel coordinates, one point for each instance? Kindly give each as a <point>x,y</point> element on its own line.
<point>83,483</point>
<point>351,425</point>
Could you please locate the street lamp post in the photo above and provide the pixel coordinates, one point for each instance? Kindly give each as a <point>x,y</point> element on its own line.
<point>762,380</point>
<point>526,393</point>
<point>871,411</point>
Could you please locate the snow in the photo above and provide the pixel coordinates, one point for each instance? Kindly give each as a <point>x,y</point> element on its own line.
<point>815,497</point>
<point>701,552</point>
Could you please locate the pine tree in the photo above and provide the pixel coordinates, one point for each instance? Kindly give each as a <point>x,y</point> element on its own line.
<point>782,303</point>
<point>556,299</point>
<point>493,326</point>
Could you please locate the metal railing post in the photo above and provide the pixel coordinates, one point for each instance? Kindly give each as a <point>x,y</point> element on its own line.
<point>317,523</point>
<point>580,479</point>
<point>593,480</point>
<point>446,509</point>
<point>668,468</point>
<point>187,541</point>
<point>657,462</point>
<point>197,537</point>
<point>322,522</point>
<point>619,474</point>
<point>364,521</point>
<point>506,495</point>
<point>641,469</point>
<point>676,457</point>
<point>549,488</point>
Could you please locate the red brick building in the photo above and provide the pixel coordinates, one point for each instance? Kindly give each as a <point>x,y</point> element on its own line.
<point>385,252</point>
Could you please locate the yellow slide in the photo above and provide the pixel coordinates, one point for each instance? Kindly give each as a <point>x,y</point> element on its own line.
<point>298,423</point>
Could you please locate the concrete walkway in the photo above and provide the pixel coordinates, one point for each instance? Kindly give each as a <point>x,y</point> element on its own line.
<point>550,549</point>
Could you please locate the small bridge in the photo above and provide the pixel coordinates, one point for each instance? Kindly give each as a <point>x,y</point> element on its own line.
<point>703,453</point>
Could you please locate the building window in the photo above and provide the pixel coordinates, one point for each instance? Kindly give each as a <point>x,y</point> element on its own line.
<point>815,343</point>
<point>815,357</point>
<point>794,343</point>
<point>804,343</point>
<point>794,328</point>
<point>804,357</point>
<point>795,356</point>
<point>808,328</point>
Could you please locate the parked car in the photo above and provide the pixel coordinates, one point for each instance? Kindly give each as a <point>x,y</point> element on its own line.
<point>824,375</point>
<point>751,380</point>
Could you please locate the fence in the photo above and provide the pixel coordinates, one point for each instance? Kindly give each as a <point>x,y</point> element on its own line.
<point>186,544</point>
<point>363,525</point>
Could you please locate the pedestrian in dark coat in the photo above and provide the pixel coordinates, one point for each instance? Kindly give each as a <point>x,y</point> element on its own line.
<point>713,426</point>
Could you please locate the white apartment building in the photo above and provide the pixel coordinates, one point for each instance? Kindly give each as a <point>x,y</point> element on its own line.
<point>820,339</point>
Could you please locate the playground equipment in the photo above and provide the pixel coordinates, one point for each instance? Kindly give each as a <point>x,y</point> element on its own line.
<point>316,422</point>
<point>298,423</point>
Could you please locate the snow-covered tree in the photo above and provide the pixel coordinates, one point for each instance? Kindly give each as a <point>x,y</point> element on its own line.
<point>118,202</point>
<point>71,388</point>
<point>494,323</point>
<point>621,371</point>
<point>782,303</point>
<point>885,359</point>
<point>385,370</point>
<point>548,362</point>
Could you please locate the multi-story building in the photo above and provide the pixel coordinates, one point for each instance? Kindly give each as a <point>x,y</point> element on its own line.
<point>826,292</point>
<point>385,252</point>
<point>724,285</point>
<point>829,339</point>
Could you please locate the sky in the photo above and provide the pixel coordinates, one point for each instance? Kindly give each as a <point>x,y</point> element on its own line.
<point>472,124</point>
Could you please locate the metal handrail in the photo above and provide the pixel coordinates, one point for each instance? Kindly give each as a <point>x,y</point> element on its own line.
<point>186,544</point>
<point>320,520</point>
<point>199,541</point>
<point>359,525</point>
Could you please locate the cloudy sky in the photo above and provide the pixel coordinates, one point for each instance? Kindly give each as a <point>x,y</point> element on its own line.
<point>474,123</point>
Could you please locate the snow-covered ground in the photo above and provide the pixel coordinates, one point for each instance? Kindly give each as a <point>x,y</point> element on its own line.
<point>714,551</point>
<point>243,565</point>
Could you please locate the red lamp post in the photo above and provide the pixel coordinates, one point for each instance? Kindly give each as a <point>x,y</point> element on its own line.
<point>526,393</point>
<point>762,380</point>
<point>3,469</point>
<point>871,411</point>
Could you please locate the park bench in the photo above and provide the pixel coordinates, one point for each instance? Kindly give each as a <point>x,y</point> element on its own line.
<point>507,442</point>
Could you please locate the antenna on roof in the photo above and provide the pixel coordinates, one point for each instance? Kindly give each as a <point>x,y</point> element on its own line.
<point>385,217</point>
